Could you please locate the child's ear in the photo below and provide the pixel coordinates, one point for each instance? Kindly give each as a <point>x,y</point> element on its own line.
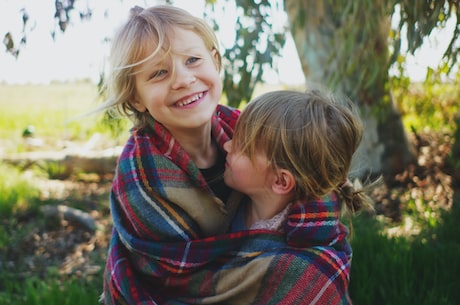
<point>217,59</point>
<point>137,104</point>
<point>284,182</point>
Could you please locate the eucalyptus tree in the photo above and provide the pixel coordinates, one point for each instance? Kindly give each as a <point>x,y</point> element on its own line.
<point>350,46</point>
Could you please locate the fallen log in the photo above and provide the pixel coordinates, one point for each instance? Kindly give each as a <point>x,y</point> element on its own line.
<point>63,212</point>
<point>70,162</point>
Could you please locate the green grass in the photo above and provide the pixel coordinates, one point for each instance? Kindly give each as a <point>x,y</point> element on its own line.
<point>35,291</point>
<point>53,110</point>
<point>36,284</point>
<point>421,270</point>
<point>16,192</point>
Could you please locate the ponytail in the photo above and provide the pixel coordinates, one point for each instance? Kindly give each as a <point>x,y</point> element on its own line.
<point>355,199</point>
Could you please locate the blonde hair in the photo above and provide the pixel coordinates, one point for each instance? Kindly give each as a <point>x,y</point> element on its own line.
<point>311,134</point>
<point>146,30</point>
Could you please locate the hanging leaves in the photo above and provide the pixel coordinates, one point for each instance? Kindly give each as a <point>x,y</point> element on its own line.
<point>257,45</point>
<point>422,17</point>
<point>62,12</point>
<point>9,44</point>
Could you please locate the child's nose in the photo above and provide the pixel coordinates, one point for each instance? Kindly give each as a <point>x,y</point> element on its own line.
<point>183,78</point>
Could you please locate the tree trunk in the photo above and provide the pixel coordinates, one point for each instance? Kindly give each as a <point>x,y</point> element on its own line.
<point>343,46</point>
<point>454,157</point>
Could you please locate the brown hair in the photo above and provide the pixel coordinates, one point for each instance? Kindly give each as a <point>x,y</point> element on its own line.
<point>144,35</point>
<point>311,134</point>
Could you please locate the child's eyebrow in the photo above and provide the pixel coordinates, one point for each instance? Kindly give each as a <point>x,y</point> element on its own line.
<point>193,49</point>
<point>155,61</point>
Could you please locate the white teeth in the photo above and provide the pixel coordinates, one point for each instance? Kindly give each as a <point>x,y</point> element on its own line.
<point>190,100</point>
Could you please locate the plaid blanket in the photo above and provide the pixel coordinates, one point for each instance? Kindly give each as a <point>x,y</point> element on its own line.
<point>169,244</point>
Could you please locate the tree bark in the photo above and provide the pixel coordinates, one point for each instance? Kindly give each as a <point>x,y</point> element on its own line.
<point>343,46</point>
<point>454,158</point>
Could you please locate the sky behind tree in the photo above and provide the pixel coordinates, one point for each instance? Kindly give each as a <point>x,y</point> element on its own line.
<point>81,52</point>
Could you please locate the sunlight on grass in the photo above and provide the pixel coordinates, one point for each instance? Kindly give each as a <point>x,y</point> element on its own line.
<point>406,270</point>
<point>47,107</point>
<point>428,107</point>
<point>16,192</point>
<point>53,110</point>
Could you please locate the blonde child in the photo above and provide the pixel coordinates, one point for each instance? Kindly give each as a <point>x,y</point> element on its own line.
<point>166,78</point>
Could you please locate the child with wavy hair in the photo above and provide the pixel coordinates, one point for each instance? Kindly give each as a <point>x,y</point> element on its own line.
<point>291,148</point>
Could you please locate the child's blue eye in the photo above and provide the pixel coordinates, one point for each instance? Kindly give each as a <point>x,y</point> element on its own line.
<point>158,74</point>
<point>192,60</point>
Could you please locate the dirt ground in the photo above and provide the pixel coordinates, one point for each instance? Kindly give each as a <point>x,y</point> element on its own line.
<point>70,248</point>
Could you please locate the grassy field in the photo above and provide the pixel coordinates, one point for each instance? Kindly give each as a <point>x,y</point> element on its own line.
<point>58,114</point>
<point>388,269</point>
<point>407,270</point>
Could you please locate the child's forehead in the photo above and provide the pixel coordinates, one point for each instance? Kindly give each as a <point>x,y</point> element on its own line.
<point>185,39</point>
<point>181,44</point>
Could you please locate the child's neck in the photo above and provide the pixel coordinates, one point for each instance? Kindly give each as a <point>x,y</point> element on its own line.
<point>201,149</point>
<point>206,157</point>
<point>264,210</point>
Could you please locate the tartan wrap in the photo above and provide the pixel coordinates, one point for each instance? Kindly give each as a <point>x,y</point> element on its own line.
<point>169,244</point>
